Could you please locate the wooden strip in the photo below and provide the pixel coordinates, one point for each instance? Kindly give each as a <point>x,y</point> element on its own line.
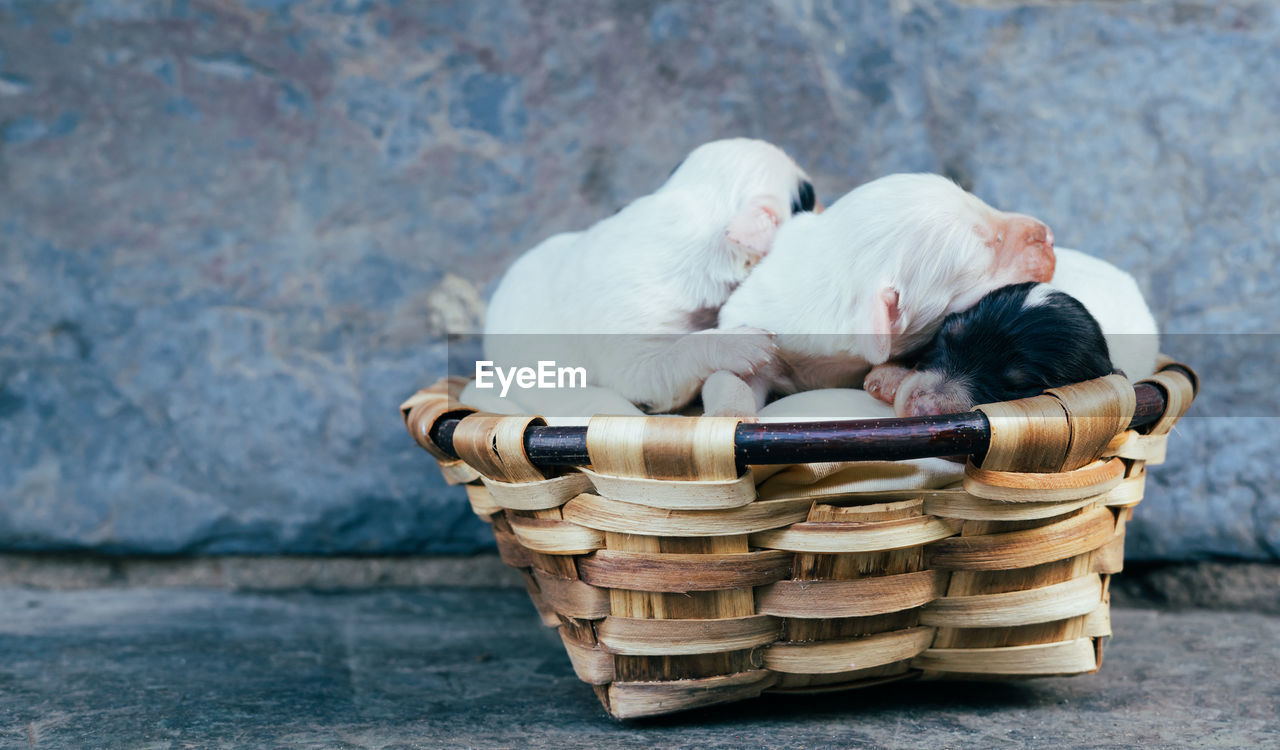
<point>1128,492</point>
<point>1119,442</point>
<point>1046,604</point>
<point>426,407</point>
<point>1023,549</point>
<point>962,505</point>
<point>614,445</point>
<point>974,582</point>
<point>593,666</point>
<point>1097,411</point>
<point>1029,434</point>
<point>457,472</point>
<point>865,507</point>
<point>493,444</point>
<point>816,684</point>
<point>1179,391</point>
<point>861,597</point>
<point>510,549</point>
<point>1109,558</point>
<point>713,454</point>
<point>1139,447</point>
<point>539,495</point>
<point>678,495</point>
<point>582,631</point>
<point>559,565</point>
<point>679,573</point>
<point>1098,623</point>
<point>1013,487</point>
<point>825,657</point>
<point>663,447</point>
<point>482,503</point>
<point>631,635</point>
<point>1064,657</point>
<point>1157,447</point>
<point>697,605</point>
<point>572,598</point>
<point>838,536</point>
<point>552,536</point>
<point>545,612</point>
<point>855,566</point>
<point>593,511</point>
<point>628,700</point>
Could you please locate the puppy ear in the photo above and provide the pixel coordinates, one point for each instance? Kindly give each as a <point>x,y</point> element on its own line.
<point>884,322</point>
<point>755,225</point>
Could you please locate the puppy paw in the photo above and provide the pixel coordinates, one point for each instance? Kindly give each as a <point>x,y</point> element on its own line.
<point>726,395</point>
<point>883,381</point>
<point>742,351</point>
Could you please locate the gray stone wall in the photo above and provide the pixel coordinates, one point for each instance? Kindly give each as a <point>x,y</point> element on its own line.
<point>235,233</point>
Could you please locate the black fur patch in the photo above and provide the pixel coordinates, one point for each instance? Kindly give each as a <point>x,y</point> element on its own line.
<point>1000,351</point>
<point>702,319</point>
<point>806,198</point>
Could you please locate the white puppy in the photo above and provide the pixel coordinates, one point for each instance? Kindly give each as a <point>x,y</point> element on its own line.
<point>621,299</point>
<point>874,275</point>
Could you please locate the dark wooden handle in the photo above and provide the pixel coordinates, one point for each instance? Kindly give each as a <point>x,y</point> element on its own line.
<point>809,442</point>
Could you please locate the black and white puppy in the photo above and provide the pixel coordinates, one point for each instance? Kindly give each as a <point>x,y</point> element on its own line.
<point>1014,343</point>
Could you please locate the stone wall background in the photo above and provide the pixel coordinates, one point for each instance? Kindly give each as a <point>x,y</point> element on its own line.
<point>234,233</point>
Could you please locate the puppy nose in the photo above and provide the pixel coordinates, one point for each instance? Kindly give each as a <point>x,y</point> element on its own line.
<point>917,403</point>
<point>922,402</point>
<point>1026,247</point>
<point>1024,230</point>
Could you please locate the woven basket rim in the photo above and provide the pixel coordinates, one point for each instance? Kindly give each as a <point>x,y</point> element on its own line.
<point>820,441</point>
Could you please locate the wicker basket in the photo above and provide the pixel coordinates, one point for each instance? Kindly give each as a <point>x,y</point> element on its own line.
<point>675,585</point>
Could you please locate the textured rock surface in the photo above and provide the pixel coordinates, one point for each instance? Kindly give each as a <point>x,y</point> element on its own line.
<point>180,668</point>
<point>234,233</point>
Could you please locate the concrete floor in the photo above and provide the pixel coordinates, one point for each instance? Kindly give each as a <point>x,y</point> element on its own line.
<point>450,667</point>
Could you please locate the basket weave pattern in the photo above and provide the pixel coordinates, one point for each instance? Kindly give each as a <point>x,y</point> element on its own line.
<point>674,584</point>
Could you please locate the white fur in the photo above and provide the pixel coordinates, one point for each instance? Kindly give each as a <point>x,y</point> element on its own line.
<point>1038,295</point>
<point>1113,298</point>
<point>927,244</point>
<point>647,272</point>
<point>826,403</point>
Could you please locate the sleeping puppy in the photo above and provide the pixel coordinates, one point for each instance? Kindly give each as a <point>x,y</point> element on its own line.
<point>1015,343</point>
<point>1110,298</point>
<point>1114,299</point>
<point>874,275</point>
<point>622,298</point>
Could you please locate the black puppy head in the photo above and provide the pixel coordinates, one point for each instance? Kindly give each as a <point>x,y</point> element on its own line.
<point>1016,342</point>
